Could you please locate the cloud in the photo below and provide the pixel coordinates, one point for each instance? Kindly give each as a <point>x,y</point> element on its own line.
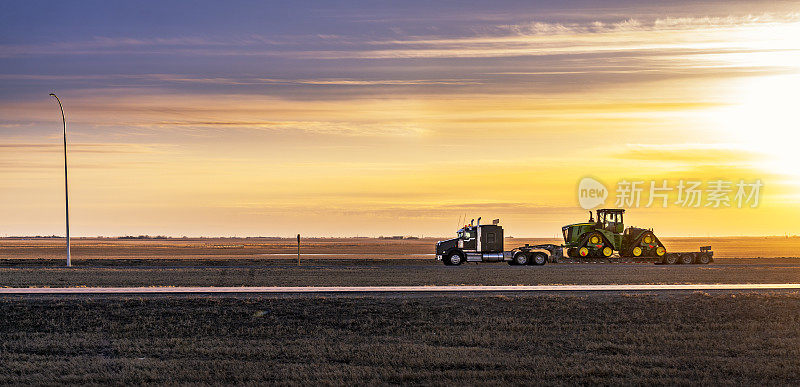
<point>117,148</point>
<point>524,39</point>
<point>657,24</point>
<point>722,154</point>
<point>346,129</point>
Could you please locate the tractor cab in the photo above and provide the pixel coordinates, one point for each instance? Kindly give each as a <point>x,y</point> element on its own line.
<point>610,219</point>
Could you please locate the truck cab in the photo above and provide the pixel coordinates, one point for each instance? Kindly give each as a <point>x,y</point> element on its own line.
<point>477,243</point>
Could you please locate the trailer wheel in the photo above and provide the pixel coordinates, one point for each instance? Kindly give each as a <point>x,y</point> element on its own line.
<point>520,258</point>
<point>687,259</point>
<point>703,259</point>
<point>455,259</point>
<point>539,259</point>
<point>671,259</point>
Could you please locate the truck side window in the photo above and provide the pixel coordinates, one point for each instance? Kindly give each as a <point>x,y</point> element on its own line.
<point>490,237</point>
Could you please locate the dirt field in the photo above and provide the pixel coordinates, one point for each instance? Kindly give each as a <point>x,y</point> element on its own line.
<point>742,339</point>
<point>605,338</point>
<point>340,262</point>
<point>331,248</point>
<point>397,272</point>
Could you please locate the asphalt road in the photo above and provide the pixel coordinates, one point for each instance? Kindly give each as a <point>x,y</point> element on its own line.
<point>392,289</point>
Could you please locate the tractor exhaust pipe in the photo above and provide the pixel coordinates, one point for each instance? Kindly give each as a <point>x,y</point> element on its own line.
<point>479,221</point>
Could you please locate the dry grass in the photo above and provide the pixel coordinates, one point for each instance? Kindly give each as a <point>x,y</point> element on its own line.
<point>609,339</point>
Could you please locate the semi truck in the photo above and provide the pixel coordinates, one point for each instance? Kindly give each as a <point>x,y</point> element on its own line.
<point>603,239</point>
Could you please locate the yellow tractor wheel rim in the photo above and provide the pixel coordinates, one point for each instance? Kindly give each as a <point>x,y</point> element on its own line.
<point>595,240</point>
<point>583,251</point>
<point>607,251</point>
<point>637,251</point>
<point>661,251</point>
<point>647,239</point>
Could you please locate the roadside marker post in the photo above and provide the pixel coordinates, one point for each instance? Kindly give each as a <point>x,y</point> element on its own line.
<point>298,249</point>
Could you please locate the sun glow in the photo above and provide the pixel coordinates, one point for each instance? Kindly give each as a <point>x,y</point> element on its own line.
<point>761,112</point>
<point>763,118</point>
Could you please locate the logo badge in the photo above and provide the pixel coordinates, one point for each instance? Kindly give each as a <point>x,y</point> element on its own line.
<point>591,193</point>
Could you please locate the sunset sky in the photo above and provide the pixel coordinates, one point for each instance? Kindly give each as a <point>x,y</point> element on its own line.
<point>247,118</point>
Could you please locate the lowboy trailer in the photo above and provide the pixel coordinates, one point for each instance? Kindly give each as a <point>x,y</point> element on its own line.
<point>484,243</point>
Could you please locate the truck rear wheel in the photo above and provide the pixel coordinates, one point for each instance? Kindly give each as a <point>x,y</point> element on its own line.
<point>520,258</point>
<point>539,259</point>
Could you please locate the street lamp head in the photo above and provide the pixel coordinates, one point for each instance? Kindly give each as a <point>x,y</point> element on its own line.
<point>52,94</point>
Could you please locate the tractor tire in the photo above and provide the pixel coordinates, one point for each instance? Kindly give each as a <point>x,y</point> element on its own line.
<point>703,259</point>
<point>594,240</point>
<point>520,258</point>
<point>539,259</point>
<point>660,251</point>
<point>607,252</point>
<point>584,252</point>
<point>687,259</point>
<point>671,259</point>
<point>455,259</point>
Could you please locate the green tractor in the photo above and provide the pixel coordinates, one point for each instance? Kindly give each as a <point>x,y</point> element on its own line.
<point>599,239</point>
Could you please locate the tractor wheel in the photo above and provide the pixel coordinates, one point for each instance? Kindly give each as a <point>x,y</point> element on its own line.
<point>687,259</point>
<point>671,259</point>
<point>607,252</point>
<point>637,252</point>
<point>520,258</point>
<point>596,245</point>
<point>583,252</point>
<point>703,259</point>
<point>660,251</point>
<point>455,259</point>
<point>595,239</point>
<point>539,259</point>
<point>648,241</point>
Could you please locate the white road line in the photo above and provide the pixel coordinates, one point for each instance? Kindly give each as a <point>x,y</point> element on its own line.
<point>389,289</point>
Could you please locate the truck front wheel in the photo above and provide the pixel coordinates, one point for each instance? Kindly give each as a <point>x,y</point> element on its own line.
<point>454,259</point>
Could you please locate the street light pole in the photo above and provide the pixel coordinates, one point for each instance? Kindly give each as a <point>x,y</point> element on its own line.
<point>66,190</point>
